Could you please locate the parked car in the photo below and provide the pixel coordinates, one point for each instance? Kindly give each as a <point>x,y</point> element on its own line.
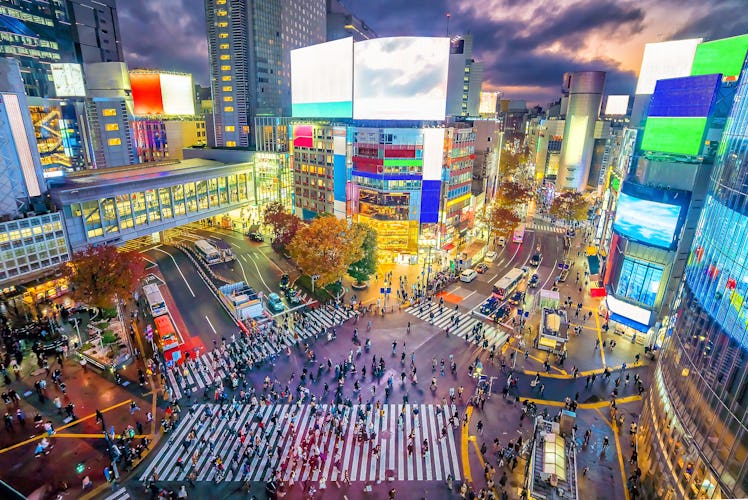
<point>490,256</point>
<point>275,304</point>
<point>534,280</point>
<point>293,297</point>
<point>284,282</point>
<point>468,275</point>
<point>481,268</point>
<point>255,236</point>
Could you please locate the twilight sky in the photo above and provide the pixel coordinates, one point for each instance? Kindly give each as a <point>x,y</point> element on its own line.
<point>525,45</point>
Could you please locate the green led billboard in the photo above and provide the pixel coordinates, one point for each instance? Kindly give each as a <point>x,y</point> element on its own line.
<point>724,56</point>
<point>683,136</point>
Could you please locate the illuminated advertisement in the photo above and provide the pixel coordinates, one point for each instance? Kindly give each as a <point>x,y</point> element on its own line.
<point>650,222</point>
<point>68,78</point>
<point>674,135</point>
<point>665,60</point>
<point>487,103</point>
<point>156,93</point>
<point>617,105</point>
<point>400,78</point>
<point>724,56</point>
<point>322,80</point>
<point>630,311</point>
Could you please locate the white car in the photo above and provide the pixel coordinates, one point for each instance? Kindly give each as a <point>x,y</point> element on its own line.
<point>468,275</point>
<point>502,241</point>
<point>490,256</point>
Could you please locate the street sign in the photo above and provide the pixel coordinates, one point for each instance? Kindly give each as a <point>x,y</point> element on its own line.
<point>381,290</point>
<point>315,277</point>
<point>389,290</point>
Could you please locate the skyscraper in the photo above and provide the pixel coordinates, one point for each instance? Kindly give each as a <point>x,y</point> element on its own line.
<point>249,44</point>
<point>694,435</point>
<point>341,23</point>
<point>585,97</point>
<point>465,78</point>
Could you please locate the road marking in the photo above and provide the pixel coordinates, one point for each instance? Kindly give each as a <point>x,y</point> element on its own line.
<point>243,273</point>
<point>244,257</point>
<point>470,294</point>
<point>585,406</point>
<point>614,428</point>
<point>465,458</point>
<point>211,324</point>
<point>550,275</point>
<point>259,274</point>
<point>178,269</point>
<point>599,337</point>
<point>148,260</point>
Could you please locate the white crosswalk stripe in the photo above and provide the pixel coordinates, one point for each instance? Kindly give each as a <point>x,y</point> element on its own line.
<point>120,494</point>
<point>488,337</point>
<point>197,373</point>
<point>282,443</point>
<point>546,226</point>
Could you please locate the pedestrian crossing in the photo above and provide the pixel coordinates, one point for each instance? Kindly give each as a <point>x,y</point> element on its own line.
<point>464,329</point>
<point>280,436</point>
<point>545,226</point>
<point>119,494</point>
<point>201,371</point>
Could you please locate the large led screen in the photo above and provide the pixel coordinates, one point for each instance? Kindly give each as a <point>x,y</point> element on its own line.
<point>665,60</point>
<point>683,136</point>
<point>322,80</point>
<point>177,94</point>
<point>687,96</point>
<point>724,56</point>
<point>68,78</point>
<point>400,78</point>
<point>146,93</point>
<point>617,105</point>
<point>646,221</point>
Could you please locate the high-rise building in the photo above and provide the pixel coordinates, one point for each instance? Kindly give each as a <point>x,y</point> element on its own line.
<point>249,44</point>
<point>96,31</point>
<point>585,97</point>
<point>465,78</point>
<point>341,23</point>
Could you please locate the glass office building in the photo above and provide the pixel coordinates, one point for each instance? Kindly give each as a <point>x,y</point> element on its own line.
<point>694,438</point>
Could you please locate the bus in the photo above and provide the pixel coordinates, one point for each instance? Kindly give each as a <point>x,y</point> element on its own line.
<point>519,234</point>
<point>207,252</point>
<point>224,249</point>
<point>506,285</point>
<point>155,300</point>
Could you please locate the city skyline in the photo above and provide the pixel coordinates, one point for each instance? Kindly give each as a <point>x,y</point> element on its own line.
<point>526,48</point>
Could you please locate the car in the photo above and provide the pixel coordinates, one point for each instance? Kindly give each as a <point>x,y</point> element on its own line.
<point>525,270</point>
<point>489,305</point>
<point>517,298</point>
<point>255,236</point>
<point>501,242</point>
<point>293,297</point>
<point>562,277</point>
<point>501,313</point>
<point>554,288</point>
<point>490,256</point>
<point>468,275</point>
<point>285,281</point>
<point>536,259</point>
<point>275,304</point>
<point>534,280</point>
<point>481,268</point>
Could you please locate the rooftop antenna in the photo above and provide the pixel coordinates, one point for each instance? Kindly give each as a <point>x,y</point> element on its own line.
<point>448,17</point>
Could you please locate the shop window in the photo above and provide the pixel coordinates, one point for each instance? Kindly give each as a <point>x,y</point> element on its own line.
<point>639,280</point>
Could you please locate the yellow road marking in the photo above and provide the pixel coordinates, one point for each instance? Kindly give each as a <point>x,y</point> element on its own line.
<point>153,392</point>
<point>585,406</point>
<point>614,427</point>
<point>562,372</point>
<point>482,461</point>
<point>565,375</point>
<point>74,422</point>
<point>465,459</point>
<point>599,337</point>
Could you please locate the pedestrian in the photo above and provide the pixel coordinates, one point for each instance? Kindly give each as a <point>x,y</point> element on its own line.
<point>606,442</point>
<point>479,426</point>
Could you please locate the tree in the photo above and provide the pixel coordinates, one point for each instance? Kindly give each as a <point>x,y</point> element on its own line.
<point>501,221</point>
<point>509,164</point>
<point>570,206</point>
<point>511,194</point>
<point>363,268</point>
<point>99,273</point>
<point>327,247</point>
<point>284,225</point>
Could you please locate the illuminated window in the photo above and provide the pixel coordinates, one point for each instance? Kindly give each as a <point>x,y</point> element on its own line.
<point>224,46</point>
<point>222,24</point>
<point>222,13</point>
<point>223,35</point>
<point>225,57</point>
<point>227,88</point>
<point>225,67</point>
<point>111,126</point>
<point>230,128</point>
<point>228,98</point>
<point>230,144</point>
<point>226,78</point>
<point>109,112</point>
<point>220,2</point>
<point>114,141</point>
<point>228,109</point>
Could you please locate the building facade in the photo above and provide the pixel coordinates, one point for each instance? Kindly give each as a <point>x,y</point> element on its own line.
<point>694,432</point>
<point>465,78</point>
<point>341,23</point>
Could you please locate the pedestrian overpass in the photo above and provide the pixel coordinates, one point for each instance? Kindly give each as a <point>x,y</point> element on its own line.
<point>116,205</point>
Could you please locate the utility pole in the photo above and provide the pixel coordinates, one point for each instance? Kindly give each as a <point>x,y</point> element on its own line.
<point>448,18</point>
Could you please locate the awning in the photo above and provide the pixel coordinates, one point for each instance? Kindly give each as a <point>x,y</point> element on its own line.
<point>629,322</point>
<point>448,247</point>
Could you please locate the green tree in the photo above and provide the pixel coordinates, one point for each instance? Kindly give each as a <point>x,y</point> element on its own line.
<point>511,194</point>
<point>363,268</point>
<point>98,274</point>
<point>500,221</point>
<point>570,206</point>
<point>283,224</point>
<point>326,247</point>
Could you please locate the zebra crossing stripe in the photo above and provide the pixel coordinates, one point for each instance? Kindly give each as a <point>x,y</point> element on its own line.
<point>120,494</point>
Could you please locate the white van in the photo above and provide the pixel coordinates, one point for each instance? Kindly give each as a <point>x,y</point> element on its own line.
<point>468,275</point>
<point>490,256</point>
<point>502,241</point>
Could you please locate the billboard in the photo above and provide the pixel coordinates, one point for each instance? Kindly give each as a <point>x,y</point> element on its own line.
<point>617,105</point>
<point>400,78</point>
<point>156,93</point>
<point>665,60</point>
<point>724,56</point>
<point>322,80</point>
<point>646,221</point>
<point>683,136</point>
<point>68,78</point>
<point>680,97</point>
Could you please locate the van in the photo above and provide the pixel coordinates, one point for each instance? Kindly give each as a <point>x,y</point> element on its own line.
<point>468,275</point>
<point>502,241</point>
<point>490,256</point>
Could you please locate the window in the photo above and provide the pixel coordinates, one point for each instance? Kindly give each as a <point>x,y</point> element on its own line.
<point>114,141</point>
<point>222,13</point>
<point>226,78</point>
<point>228,98</point>
<point>639,280</point>
<point>225,57</point>
<point>228,88</point>
<point>230,144</point>
<point>224,46</point>
<point>229,128</point>
<point>223,35</point>
<point>109,112</point>
<point>228,109</point>
<point>109,127</point>
<point>222,24</point>
<point>226,67</point>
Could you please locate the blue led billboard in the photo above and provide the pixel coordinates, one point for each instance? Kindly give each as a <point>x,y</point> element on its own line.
<point>691,96</point>
<point>650,222</point>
